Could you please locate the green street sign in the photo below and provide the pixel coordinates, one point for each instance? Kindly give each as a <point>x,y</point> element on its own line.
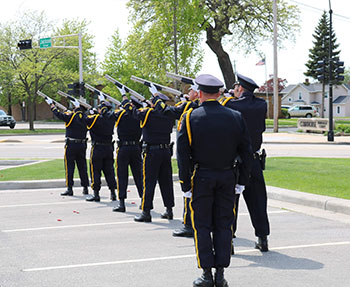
<point>45,43</point>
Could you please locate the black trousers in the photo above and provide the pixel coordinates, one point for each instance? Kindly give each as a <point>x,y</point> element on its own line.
<point>156,167</point>
<point>75,153</point>
<point>128,156</point>
<point>101,159</point>
<point>187,212</point>
<point>256,200</point>
<point>212,202</point>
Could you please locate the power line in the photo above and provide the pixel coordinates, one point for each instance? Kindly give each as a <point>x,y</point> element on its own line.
<point>344,18</point>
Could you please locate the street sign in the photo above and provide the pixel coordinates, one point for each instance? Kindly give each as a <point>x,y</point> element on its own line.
<point>45,43</point>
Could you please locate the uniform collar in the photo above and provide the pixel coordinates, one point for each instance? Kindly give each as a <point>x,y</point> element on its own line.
<point>210,102</point>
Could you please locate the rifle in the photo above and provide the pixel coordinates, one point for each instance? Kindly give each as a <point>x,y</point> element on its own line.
<point>128,90</point>
<point>58,105</point>
<point>111,99</point>
<point>158,86</point>
<point>180,78</point>
<point>85,105</point>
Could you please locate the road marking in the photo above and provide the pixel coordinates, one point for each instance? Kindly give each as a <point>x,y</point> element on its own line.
<point>100,224</point>
<point>174,257</point>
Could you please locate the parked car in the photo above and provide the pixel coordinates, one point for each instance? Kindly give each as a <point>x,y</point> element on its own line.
<point>304,111</point>
<point>6,120</point>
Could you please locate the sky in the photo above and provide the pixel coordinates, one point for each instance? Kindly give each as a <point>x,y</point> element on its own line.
<point>106,16</point>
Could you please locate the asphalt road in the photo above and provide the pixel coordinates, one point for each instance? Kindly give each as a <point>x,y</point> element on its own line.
<point>49,240</point>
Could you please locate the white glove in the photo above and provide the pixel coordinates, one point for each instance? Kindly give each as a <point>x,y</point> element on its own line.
<point>239,188</point>
<point>188,194</point>
<point>92,111</point>
<point>194,87</point>
<point>153,89</point>
<point>122,90</point>
<point>101,97</point>
<point>144,104</point>
<point>76,104</point>
<point>49,101</point>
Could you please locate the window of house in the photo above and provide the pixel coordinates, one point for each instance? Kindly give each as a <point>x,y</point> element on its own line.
<point>289,99</point>
<point>338,110</point>
<point>325,95</point>
<point>300,96</point>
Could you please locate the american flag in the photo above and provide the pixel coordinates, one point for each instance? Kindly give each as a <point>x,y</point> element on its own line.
<point>261,62</point>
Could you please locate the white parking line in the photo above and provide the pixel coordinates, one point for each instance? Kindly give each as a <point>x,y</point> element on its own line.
<point>174,257</point>
<point>100,224</point>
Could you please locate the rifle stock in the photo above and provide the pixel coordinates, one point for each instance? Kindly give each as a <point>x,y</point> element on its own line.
<point>158,86</point>
<point>111,99</point>
<point>180,78</point>
<point>58,105</point>
<point>85,105</point>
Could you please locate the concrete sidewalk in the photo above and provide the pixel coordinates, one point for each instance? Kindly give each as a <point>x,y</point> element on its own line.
<point>285,195</point>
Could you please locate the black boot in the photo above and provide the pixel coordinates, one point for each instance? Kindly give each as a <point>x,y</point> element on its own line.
<point>220,281</point>
<point>206,279</point>
<point>262,244</point>
<point>121,206</point>
<point>85,190</point>
<point>144,217</point>
<point>168,214</point>
<point>68,192</point>
<point>95,197</point>
<point>113,196</point>
<point>184,231</point>
<point>232,248</point>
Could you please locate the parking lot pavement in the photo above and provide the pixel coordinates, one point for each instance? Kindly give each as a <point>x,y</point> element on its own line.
<point>49,240</point>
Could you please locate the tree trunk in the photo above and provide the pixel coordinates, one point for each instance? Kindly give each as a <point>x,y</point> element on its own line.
<point>223,57</point>
<point>30,112</point>
<point>322,100</point>
<point>9,106</point>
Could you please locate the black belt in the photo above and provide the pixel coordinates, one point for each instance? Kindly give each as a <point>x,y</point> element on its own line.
<point>103,143</point>
<point>201,167</point>
<point>129,143</point>
<point>73,140</point>
<point>157,146</point>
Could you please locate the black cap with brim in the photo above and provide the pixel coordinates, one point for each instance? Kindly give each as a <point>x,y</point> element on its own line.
<point>163,97</point>
<point>105,104</point>
<point>247,83</point>
<point>136,102</point>
<point>208,83</point>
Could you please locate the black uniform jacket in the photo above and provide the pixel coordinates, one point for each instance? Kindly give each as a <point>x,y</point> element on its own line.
<point>212,137</point>
<point>128,128</point>
<point>75,122</point>
<point>101,126</point>
<point>253,110</point>
<point>156,127</point>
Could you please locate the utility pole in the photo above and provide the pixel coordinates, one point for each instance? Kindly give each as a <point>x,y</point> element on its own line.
<point>275,69</point>
<point>330,76</point>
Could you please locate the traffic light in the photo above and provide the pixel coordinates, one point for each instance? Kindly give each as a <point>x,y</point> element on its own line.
<point>25,44</point>
<point>339,70</point>
<point>321,71</point>
<point>76,89</point>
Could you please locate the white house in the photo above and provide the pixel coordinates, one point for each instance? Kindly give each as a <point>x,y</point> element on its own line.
<point>303,94</point>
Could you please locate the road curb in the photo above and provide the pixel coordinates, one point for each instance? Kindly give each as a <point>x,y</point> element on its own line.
<point>307,199</point>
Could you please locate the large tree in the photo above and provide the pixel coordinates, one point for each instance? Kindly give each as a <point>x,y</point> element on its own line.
<point>320,52</point>
<point>34,69</point>
<point>230,24</point>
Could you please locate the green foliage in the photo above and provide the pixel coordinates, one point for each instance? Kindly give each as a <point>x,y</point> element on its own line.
<point>320,50</point>
<point>342,128</point>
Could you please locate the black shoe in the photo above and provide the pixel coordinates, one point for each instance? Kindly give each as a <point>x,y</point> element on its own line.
<point>168,214</point>
<point>94,197</point>
<point>85,190</point>
<point>144,217</point>
<point>68,192</point>
<point>120,207</point>
<point>184,231</point>
<point>262,244</point>
<point>232,248</point>
<point>206,279</point>
<point>220,281</point>
<point>113,196</point>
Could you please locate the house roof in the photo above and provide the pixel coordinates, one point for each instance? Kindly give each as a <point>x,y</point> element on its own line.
<point>315,103</point>
<point>288,89</point>
<point>341,100</point>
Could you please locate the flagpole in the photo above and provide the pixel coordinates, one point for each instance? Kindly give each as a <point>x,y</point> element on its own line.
<point>267,92</point>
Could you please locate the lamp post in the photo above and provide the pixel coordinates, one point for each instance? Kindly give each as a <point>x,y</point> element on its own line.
<point>330,77</point>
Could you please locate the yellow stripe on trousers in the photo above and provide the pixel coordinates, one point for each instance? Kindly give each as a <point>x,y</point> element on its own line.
<point>144,180</point>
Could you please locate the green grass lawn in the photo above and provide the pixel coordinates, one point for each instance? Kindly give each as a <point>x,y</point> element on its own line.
<point>324,176</point>
<point>28,132</point>
<point>52,169</point>
<point>282,122</point>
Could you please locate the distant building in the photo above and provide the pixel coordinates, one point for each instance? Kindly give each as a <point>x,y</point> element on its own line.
<point>311,94</point>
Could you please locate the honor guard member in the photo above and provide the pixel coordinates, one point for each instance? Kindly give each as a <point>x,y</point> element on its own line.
<point>128,151</point>
<point>75,148</point>
<point>176,112</point>
<point>156,165</point>
<point>101,128</point>
<point>253,110</point>
<point>210,139</point>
